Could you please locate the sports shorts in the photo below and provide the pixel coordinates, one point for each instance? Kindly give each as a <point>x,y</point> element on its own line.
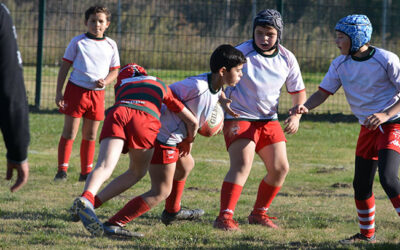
<point>164,154</point>
<point>263,133</point>
<point>386,136</point>
<point>80,102</point>
<point>137,128</point>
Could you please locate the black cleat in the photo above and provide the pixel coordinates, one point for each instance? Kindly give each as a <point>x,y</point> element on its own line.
<point>115,231</point>
<point>358,238</point>
<point>83,177</point>
<point>60,176</point>
<point>183,214</point>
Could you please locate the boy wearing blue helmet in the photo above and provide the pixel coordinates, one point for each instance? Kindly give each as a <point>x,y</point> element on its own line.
<point>370,78</point>
<point>256,128</point>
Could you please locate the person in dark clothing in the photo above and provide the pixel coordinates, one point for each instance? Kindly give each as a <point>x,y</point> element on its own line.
<point>14,122</point>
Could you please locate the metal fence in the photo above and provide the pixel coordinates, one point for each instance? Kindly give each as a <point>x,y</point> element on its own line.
<point>174,38</point>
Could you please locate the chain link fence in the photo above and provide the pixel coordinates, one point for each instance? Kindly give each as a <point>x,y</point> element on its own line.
<point>173,39</point>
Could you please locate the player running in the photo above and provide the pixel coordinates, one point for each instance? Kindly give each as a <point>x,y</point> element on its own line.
<point>371,81</point>
<point>131,125</point>
<point>172,160</point>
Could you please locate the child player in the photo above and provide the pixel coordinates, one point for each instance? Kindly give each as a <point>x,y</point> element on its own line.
<point>371,81</point>
<point>132,124</point>
<point>255,98</point>
<point>95,63</point>
<point>172,161</point>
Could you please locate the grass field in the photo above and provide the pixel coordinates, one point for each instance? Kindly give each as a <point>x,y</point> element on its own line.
<point>315,207</point>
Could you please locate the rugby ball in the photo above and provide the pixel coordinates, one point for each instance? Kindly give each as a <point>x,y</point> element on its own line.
<point>214,123</point>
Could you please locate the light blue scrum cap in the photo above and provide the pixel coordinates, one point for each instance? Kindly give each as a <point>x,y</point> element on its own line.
<point>358,28</point>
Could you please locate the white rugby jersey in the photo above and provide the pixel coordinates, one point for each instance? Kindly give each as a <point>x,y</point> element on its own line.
<point>91,59</point>
<point>196,93</point>
<point>371,85</point>
<point>256,96</point>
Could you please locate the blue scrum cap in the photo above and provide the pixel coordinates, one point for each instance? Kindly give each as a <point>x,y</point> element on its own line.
<point>269,17</point>
<point>358,28</point>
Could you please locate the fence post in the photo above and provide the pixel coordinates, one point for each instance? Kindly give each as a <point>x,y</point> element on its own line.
<point>254,8</point>
<point>39,55</point>
<point>119,26</point>
<point>279,6</point>
<point>384,19</point>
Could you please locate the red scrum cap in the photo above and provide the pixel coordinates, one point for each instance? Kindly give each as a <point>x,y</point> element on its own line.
<point>131,70</point>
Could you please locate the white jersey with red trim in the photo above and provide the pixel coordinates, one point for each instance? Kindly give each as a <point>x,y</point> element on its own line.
<point>371,85</point>
<point>91,59</point>
<point>256,96</point>
<point>198,96</point>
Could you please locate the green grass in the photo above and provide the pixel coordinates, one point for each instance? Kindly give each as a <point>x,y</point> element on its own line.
<point>315,207</point>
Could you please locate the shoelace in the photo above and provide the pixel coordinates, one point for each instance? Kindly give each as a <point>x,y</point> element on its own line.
<point>268,217</point>
<point>230,222</point>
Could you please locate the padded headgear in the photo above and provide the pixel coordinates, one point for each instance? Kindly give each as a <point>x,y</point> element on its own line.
<point>358,28</point>
<point>269,17</point>
<point>131,70</point>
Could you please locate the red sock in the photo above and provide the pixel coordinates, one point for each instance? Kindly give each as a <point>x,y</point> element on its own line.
<point>396,203</point>
<point>87,155</point>
<point>265,196</point>
<point>173,202</point>
<point>230,194</point>
<point>366,216</point>
<point>64,152</point>
<point>88,195</point>
<point>130,211</point>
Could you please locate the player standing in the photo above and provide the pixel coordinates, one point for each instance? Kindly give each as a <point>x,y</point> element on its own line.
<point>255,98</point>
<point>371,81</point>
<point>172,160</point>
<point>95,61</point>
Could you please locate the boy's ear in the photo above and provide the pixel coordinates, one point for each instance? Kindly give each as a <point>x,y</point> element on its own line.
<point>222,71</point>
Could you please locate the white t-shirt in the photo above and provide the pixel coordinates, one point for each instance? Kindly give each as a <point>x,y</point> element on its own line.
<point>371,85</point>
<point>91,59</point>
<point>195,92</point>
<point>256,96</point>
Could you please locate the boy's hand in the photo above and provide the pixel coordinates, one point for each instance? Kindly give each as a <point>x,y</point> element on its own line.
<point>292,124</point>
<point>59,100</point>
<point>298,109</point>
<point>373,121</point>
<point>226,105</point>
<point>22,174</point>
<point>185,147</point>
<point>101,83</point>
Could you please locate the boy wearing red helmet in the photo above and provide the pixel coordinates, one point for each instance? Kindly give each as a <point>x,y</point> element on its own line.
<point>131,125</point>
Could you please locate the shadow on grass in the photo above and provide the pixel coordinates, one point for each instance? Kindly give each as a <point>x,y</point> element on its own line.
<point>333,118</point>
<point>42,215</point>
<point>249,244</point>
<point>338,117</point>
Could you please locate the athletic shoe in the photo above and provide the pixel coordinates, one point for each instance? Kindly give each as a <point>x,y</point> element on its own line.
<point>73,211</point>
<point>83,177</point>
<point>115,231</point>
<point>357,238</point>
<point>262,219</point>
<point>60,176</point>
<point>183,214</point>
<point>88,216</point>
<point>227,224</point>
